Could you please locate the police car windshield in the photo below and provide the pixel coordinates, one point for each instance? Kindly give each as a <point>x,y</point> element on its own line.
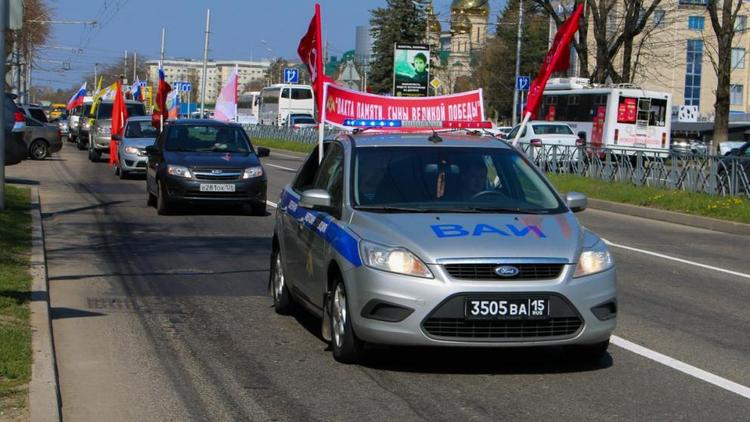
<point>449,179</point>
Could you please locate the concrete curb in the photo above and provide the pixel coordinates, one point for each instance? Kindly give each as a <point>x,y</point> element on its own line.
<point>671,217</point>
<point>44,389</point>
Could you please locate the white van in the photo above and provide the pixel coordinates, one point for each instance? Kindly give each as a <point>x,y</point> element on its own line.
<point>280,100</point>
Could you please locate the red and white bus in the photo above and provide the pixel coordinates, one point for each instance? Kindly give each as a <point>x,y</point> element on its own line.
<point>618,117</point>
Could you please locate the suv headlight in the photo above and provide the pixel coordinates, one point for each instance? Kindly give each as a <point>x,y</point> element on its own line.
<point>393,259</point>
<point>179,171</point>
<point>251,172</point>
<point>594,260</point>
<point>103,130</point>
<point>131,150</point>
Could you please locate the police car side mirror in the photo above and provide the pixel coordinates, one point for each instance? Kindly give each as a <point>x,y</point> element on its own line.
<point>317,199</point>
<point>576,201</point>
<point>263,152</point>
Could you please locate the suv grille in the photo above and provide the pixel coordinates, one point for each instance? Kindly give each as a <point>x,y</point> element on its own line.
<point>487,329</point>
<point>487,271</point>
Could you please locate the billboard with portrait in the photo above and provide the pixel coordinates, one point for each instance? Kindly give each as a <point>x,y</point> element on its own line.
<point>411,70</point>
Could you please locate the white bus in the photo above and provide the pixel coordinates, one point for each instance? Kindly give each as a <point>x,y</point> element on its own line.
<point>280,100</point>
<point>248,104</point>
<point>630,118</point>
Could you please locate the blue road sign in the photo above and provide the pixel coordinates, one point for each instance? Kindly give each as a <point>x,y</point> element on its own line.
<point>182,86</point>
<point>291,75</point>
<point>523,83</point>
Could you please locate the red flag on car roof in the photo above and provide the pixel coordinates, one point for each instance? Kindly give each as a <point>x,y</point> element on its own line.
<point>161,113</point>
<point>557,60</point>
<point>310,50</point>
<point>119,117</point>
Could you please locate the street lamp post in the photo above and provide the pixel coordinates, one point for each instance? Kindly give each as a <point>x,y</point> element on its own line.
<point>518,62</point>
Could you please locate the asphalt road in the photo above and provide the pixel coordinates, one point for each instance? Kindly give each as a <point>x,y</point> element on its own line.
<point>168,318</point>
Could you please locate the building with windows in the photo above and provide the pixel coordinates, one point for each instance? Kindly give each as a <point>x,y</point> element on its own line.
<point>217,73</point>
<point>676,51</point>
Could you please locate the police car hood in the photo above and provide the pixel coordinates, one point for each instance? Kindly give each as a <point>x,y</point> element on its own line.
<point>439,236</point>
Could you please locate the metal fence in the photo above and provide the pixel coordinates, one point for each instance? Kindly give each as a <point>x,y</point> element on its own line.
<point>716,175</point>
<point>305,136</point>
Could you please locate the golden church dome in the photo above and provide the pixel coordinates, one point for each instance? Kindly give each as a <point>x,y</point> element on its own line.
<point>474,7</point>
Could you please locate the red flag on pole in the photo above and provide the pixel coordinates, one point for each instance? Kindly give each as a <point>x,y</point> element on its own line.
<point>310,50</point>
<point>557,60</point>
<point>161,113</point>
<point>119,117</point>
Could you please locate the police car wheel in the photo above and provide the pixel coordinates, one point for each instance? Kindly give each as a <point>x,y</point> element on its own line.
<point>588,353</point>
<point>282,302</point>
<point>347,348</point>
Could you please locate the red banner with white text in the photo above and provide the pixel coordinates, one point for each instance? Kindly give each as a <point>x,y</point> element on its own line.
<point>342,104</point>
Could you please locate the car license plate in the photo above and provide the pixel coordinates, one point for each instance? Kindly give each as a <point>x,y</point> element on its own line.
<point>507,308</point>
<point>215,187</point>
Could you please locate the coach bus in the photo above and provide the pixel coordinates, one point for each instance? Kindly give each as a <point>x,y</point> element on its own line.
<point>247,107</point>
<point>620,117</point>
<point>278,101</point>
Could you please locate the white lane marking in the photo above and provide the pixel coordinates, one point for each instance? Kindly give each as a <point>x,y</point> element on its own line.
<point>682,367</point>
<point>281,167</point>
<point>288,156</point>
<point>683,261</point>
<point>272,204</point>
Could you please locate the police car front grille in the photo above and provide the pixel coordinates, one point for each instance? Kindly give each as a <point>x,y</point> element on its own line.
<point>487,271</point>
<point>508,329</point>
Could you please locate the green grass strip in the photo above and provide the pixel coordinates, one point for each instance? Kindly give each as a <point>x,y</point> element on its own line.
<point>724,208</point>
<point>15,284</point>
<point>282,144</point>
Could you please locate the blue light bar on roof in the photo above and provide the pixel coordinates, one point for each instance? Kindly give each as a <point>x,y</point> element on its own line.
<point>372,123</point>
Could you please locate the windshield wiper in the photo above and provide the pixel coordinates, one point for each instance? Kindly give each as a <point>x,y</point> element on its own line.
<point>391,209</point>
<point>508,210</point>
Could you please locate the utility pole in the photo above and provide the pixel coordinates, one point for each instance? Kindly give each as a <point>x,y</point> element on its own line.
<point>95,66</point>
<point>205,63</point>
<point>125,68</point>
<point>135,66</point>
<point>518,62</point>
<point>161,52</point>
<point>3,31</point>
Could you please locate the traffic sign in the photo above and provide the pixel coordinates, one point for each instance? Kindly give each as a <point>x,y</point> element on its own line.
<point>436,83</point>
<point>523,83</point>
<point>183,86</point>
<point>291,75</point>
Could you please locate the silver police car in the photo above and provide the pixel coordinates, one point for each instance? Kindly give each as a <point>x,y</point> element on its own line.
<point>450,240</point>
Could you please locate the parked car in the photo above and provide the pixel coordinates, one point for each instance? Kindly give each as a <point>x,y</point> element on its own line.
<point>15,126</point>
<point>100,133</point>
<point>550,141</point>
<point>402,239</point>
<point>205,161</point>
<point>131,148</point>
<point>726,148</point>
<point>42,139</point>
<point>302,121</point>
<point>688,146</point>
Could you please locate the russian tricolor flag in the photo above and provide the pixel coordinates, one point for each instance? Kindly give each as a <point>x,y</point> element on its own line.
<point>77,98</point>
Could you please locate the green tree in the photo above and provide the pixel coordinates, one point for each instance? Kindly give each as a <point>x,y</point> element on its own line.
<point>497,66</point>
<point>403,21</point>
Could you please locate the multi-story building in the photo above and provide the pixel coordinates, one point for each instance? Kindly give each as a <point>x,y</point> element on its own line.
<point>676,51</point>
<point>217,73</point>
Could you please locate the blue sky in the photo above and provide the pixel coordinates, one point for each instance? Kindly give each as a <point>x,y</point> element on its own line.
<point>238,29</point>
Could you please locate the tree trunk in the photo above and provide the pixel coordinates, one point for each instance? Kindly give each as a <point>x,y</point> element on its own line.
<point>721,107</point>
<point>627,60</point>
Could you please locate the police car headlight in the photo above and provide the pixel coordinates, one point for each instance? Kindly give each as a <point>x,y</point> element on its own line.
<point>594,260</point>
<point>252,172</point>
<point>394,260</point>
<point>179,171</point>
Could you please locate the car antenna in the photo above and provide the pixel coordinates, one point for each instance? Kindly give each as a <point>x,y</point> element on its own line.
<point>434,138</point>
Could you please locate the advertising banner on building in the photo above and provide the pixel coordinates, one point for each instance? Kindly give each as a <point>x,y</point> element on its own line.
<point>343,104</point>
<point>411,70</point>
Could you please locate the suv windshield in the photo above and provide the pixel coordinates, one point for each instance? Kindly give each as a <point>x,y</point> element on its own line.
<point>140,130</point>
<point>449,179</point>
<point>104,110</point>
<point>222,139</point>
<point>302,120</point>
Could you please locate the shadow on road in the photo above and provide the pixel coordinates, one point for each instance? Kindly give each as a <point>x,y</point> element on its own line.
<point>19,181</point>
<point>79,209</point>
<point>64,313</point>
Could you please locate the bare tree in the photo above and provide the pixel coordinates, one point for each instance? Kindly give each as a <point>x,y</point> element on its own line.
<point>619,28</point>
<point>723,16</point>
